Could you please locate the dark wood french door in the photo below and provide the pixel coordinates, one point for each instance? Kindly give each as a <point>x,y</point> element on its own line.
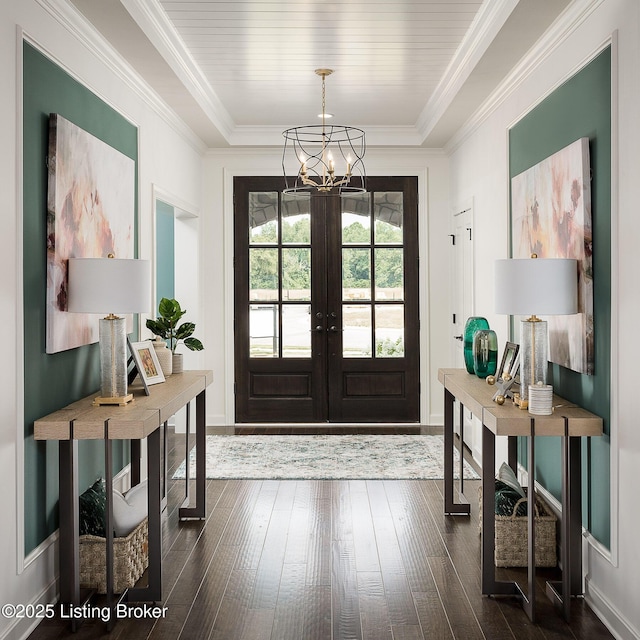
<point>326,303</point>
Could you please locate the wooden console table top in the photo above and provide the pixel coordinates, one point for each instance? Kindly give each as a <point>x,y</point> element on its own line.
<point>509,420</point>
<point>135,420</point>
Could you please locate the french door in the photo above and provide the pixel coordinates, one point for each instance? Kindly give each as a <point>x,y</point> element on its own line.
<point>326,303</point>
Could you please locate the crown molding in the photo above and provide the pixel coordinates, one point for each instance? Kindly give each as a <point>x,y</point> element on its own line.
<point>561,29</point>
<point>416,154</point>
<point>271,136</point>
<point>152,19</point>
<point>486,25</point>
<point>77,25</point>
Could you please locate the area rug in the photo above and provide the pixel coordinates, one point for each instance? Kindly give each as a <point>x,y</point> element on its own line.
<point>320,457</point>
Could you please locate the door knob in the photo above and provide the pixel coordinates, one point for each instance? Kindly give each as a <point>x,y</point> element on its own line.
<point>319,328</point>
<point>333,328</point>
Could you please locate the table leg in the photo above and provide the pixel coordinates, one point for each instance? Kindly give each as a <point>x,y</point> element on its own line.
<point>136,454</point>
<point>512,452</point>
<point>199,510</point>
<point>153,592</point>
<point>490,586</point>
<point>461,447</point>
<point>108,519</point>
<point>529,602</point>
<point>165,465</point>
<point>69,522</point>
<point>450,507</point>
<point>571,527</point>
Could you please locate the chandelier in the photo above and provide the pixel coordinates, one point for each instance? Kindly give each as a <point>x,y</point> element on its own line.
<point>317,151</point>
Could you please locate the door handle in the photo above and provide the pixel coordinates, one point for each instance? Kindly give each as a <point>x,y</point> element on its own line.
<point>458,338</point>
<point>319,328</point>
<point>333,329</point>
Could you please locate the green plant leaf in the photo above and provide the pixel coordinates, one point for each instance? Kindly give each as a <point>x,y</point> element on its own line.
<point>194,344</point>
<point>185,330</point>
<point>170,310</point>
<point>158,328</point>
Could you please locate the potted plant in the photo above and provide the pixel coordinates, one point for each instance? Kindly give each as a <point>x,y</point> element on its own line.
<point>166,327</point>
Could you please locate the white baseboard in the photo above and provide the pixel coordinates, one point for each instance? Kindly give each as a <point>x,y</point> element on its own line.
<point>609,614</point>
<point>22,628</point>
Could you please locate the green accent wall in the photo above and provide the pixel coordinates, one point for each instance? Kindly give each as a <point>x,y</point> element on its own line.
<point>52,381</point>
<point>581,107</point>
<point>165,251</point>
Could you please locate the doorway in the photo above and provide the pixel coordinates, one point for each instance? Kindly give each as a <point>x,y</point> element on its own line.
<point>326,303</point>
<point>462,267</point>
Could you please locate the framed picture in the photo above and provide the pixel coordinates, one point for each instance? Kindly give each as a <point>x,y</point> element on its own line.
<point>146,361</point>
<point>86,218</point>
<point>551,217</point>
<point>510,364</point>
<point>509,358</point>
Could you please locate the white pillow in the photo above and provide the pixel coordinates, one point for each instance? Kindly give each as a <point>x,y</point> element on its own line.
<point>129,510</point>
<point>507,475</point>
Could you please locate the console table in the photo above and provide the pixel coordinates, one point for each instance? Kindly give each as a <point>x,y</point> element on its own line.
<point>570,422</point>
<point>135,421</point>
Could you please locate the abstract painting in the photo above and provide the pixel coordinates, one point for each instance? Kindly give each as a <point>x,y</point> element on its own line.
<point>551,217</point>
<point>90,213</point>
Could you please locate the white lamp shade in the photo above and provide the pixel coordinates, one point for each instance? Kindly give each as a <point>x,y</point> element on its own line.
<point>536,286</point>
<point>109,285</point>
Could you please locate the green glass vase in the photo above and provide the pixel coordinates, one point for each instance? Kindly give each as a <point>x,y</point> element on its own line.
<point>485,353</point>
<point>473,324</point>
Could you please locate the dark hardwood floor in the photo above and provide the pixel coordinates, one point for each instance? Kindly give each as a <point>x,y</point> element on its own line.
<point>328,560</point>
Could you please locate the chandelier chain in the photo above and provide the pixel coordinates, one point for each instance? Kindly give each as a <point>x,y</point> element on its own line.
<point>323,99</point>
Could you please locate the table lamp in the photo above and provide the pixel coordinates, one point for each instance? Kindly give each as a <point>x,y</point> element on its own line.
<point>530,286</point>
<point>110,286</point>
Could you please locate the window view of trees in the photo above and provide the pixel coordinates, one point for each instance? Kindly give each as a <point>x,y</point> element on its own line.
<point>360,262</point>
<point>296,261</point>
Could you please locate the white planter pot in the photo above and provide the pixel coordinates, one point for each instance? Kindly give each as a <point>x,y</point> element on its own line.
<point>178,365</point>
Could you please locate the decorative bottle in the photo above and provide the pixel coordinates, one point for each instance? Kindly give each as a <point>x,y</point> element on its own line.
<point>473,324</point>
<point>485,353</point>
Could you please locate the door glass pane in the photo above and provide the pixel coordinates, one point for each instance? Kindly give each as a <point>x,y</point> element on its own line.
<point>263,218</point>
<point>388,215</point>
<point>296,331</point>
<point>356,334</point>
<point>356,219</point>
<point>389,331</point>
<point>356,274</point>
<point>263,274</point>
<point>263,330</point>
<point>296,274</point>
<point>389,271</point>
<point>296,219</point>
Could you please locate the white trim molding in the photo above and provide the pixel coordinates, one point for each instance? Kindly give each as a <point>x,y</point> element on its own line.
<point>571,18</point>
<point>19,311</point>
<point>72,20</point>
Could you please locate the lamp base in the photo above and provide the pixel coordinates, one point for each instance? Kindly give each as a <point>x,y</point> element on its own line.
<point>533,354</point>
<point>119,400</point>
<point>113,359</point>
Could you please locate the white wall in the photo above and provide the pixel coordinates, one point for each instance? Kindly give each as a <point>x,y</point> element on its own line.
<point>479,170</point>
<point>219,169</point>
<point>170,156</point>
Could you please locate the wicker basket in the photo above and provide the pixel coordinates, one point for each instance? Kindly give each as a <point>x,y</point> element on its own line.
<point>130,559</point>
<point>511,538</point>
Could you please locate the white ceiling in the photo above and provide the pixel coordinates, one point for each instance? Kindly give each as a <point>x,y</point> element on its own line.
<point>409,72</point>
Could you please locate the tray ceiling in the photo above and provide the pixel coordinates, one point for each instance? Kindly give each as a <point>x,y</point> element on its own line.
<point>410,72</point>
